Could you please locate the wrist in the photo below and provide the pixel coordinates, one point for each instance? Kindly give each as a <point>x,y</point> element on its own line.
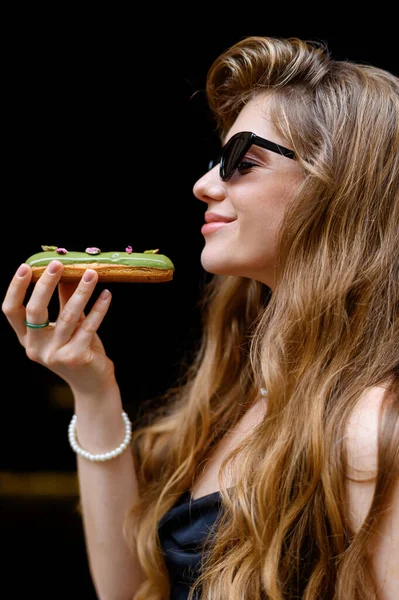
<point>99,425</point>
<point>108,393</point>
<point>100,456</point>
<point>93,382</point>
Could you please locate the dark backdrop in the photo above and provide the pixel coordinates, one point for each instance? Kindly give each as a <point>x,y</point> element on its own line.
<point>105,135</point>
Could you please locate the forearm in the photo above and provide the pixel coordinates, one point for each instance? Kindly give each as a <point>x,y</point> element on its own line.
<point>107,490</point>
<point>73,351</point>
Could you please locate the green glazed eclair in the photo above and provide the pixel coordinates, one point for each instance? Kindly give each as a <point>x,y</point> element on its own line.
<point>113,266</point>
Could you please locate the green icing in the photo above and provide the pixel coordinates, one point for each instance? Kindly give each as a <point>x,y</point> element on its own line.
<point>134,259</point>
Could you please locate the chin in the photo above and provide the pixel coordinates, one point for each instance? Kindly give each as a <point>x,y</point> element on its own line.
<point>213,264</point>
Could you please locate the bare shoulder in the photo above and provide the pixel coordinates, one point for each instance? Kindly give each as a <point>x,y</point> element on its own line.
<point>362,447</point>
<point>361,438</point>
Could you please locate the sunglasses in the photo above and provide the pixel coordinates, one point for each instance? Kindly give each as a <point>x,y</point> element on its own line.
<point>233,152</point>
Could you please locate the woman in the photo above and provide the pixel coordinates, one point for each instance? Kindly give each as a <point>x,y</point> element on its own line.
<point>271,471</point>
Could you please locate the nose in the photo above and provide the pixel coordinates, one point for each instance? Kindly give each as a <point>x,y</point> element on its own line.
<point>210,187</point>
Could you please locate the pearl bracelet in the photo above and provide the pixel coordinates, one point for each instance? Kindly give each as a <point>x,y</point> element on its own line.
<point>106,455</point>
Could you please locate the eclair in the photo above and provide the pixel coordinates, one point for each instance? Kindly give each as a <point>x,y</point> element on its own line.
<point>113,266</point>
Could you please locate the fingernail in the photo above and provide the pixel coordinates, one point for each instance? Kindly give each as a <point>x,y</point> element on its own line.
<point>53,267</point>
<point>105,294</point>
<point>22,270</point>
<point>88,276</point>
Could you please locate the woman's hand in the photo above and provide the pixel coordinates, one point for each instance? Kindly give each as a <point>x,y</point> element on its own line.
<point>70,347</point>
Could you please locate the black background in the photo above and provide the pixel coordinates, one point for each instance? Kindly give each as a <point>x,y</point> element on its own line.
<point>105,131</point>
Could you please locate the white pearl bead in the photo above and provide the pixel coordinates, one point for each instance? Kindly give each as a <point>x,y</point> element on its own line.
<point>106,455</point>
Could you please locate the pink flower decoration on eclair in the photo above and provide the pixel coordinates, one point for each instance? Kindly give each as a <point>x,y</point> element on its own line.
<point>62,251</point>
<point>129,249</point>
<point>93,250</point>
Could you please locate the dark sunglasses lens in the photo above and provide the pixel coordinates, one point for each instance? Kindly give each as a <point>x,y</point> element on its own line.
<point>213,162</point>
<point>232,154</point>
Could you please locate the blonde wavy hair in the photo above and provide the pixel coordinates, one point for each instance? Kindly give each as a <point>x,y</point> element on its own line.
<point>329,331</point>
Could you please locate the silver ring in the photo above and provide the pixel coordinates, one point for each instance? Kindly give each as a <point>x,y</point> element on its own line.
<point>36,326</point>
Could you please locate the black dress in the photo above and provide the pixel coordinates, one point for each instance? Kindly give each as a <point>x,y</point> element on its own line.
<point>182,531</point>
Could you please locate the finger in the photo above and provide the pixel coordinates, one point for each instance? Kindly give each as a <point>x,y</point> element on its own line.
<point>71,314</point>
<point>37,307</point>
<point>65,291</point>
<point>89,326</point>
<point>12,306</point>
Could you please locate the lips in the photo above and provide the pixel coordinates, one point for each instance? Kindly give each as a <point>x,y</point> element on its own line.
<point>215,218</point>
<point>213,222</point>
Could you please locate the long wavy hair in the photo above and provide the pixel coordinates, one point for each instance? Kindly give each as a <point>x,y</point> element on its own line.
<point>328,332</point>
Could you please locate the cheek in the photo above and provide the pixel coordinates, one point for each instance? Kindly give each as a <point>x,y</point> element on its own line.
<point>263,216</point>
<point>255,244</point>
<point>266,210</point>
